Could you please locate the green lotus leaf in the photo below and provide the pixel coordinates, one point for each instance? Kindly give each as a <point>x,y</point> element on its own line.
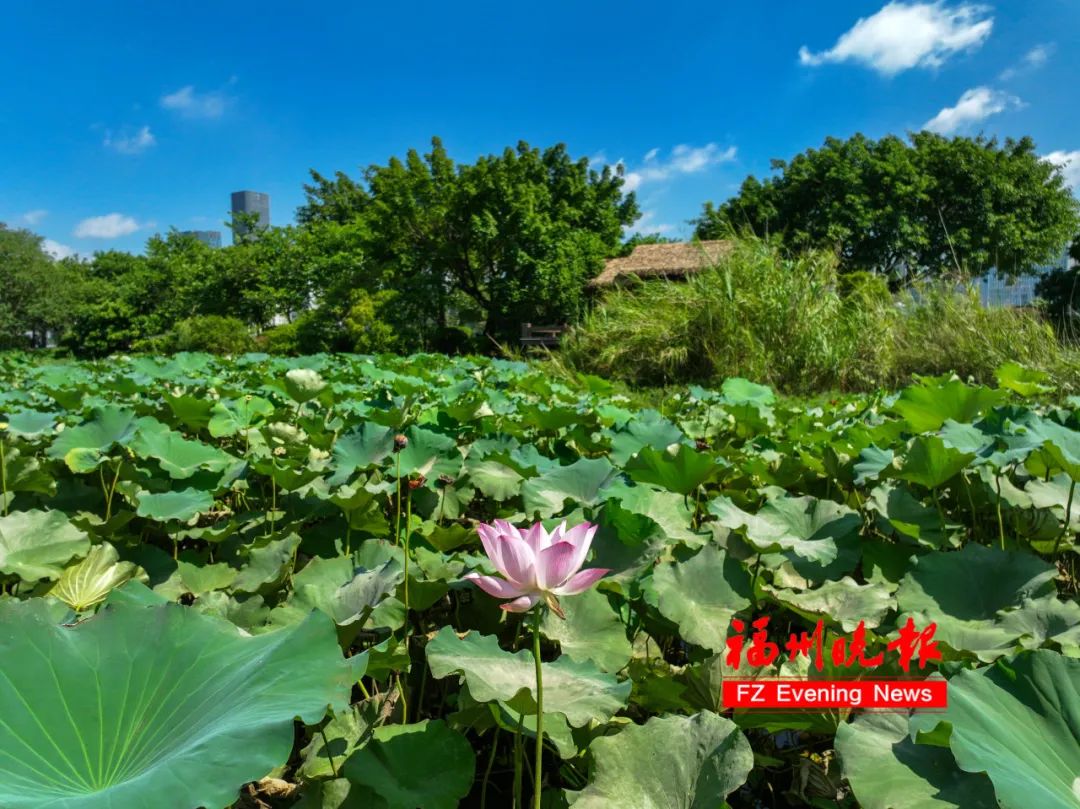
<point>578,690</point>
<point>236,415</point>
<point>87,583</point>
<point>37,544</point>
<point>821,532</point>
<point>671,762</point>
<point>591,631</point>
<point>267,564</point>
<point>1027,382</point>
<point>182,506</point>
<point>1046,619</point>
<point>201,579</point>
<point>495,480</point>
<point>647,429</point>
<point>873,463</point>
<point>178,456</point>
<point>1061,444</point>
<point>702,594</point>
<point>428,453</point>
<point>737,390</point>
<point>24,473</point>
<point>931,462</point>
<point>1019,722</point>
<point>583,482</point>
<point>927,406</point>
<point>361,448</point>
<point>668,510</point>
<point>843,601</point>
<point>900,513</point>
<point>887,770</point>
<point>30,424</point>
<point>387,767</point>
<point>145,707</point>
<point>303,384</point>
<point>85,446</point>
<point>682,471</point>
<point>966,593</point>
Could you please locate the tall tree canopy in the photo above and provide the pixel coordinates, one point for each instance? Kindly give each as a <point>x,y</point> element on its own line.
<point>899,207</point>
<point>37,293</point>
<point>511,237</point>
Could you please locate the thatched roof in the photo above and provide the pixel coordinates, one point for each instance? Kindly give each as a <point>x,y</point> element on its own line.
<point>666,260</point>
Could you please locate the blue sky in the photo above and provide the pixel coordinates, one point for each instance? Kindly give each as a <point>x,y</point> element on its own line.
<point>120,119</point>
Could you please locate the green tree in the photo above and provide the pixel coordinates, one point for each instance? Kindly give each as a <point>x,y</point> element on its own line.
<point>37,293</point>
<point>1061,292</point>
<point>512,237</point>
<point>902,208</point>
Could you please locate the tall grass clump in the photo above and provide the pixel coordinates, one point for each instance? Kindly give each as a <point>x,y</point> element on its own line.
<point>756,313</point>
<point>795,323</point>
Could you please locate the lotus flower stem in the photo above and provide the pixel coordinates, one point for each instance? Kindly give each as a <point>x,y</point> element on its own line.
<point>408,530</point>
<point>487,769</point>
<point>3,478</point>
<point>397,522</point>
<point>329,755</point>
<point>539,708</point>
<point>517,762</point>
<point>1068,518</point>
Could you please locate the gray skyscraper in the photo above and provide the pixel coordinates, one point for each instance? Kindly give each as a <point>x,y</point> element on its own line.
<point>250,202</point>
<point>211,238</point>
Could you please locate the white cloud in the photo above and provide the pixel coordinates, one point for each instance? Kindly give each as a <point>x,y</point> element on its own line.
<point>906,35</point>
<point>1032,60</point>
<point>974,105</point>
<point>645,225</point>
<point>139,142</point>
<point>109,226</point>
<point>34,217</point>
<point>1070,166</point>
<point>191,104</point>
<point>57,250</point>
<point>684,160</point>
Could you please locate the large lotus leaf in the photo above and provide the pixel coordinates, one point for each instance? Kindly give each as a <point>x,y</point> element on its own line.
<point>303,384</point>
<point>83,447</point>
<point>145,707</point>
<point>340,587</point>
<point>1025,381</point>
<point>230,417</point>
<point>24,473</point>
<point>583,482</point>
<point>1046,619</point>
<point>702,594</point>
<point>1019,722</point>
<point>183,505</point>
<point>495,480</point>
<point>428,453</point>
<point>736,390</point>
<point>668,510</point>
<point>30,423</point>
<point>887,770</point>
<point>966,593</point>
<point>647,429</point>
<point>821,532</point>
<point>670,762</point>
<point>267,564</point>
<point>361,448</point>
<point>681,471</point>
<point>927,406</point>
<point>900,513</point>
<point>874,462</point>
<point>37,544</point>
<point>178,456</point>
<point>87,583</point>
<point>844,601</point>
<point>389,767</point>
<point>591,631</point>
<point>1060,443</point>
<point>578,690</point>
<point>931,462</point>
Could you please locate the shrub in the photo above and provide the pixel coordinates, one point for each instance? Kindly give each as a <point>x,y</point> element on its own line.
<point>795,324</point>
<point>780,321</point>
<point>213,334</point>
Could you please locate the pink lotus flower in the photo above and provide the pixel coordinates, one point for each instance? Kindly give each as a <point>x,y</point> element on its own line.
<point>536,566</point>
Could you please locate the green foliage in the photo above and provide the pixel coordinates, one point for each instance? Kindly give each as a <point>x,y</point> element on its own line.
<point>213,334</point>
<point>225,528</point>
<point>38,292</point>
<point>798,325</point>
<point>899,208</point>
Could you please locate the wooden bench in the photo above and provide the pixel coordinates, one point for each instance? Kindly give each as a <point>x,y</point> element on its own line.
<point>547,336</point>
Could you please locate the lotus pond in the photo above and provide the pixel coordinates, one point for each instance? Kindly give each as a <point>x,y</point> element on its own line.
<point>243,582</point>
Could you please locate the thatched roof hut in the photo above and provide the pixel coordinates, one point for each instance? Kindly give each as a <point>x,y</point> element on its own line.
<point>674,260</point>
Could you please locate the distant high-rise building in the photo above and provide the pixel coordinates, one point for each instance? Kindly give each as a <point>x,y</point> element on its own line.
<point>211,238</point>
<point>251,203</point>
